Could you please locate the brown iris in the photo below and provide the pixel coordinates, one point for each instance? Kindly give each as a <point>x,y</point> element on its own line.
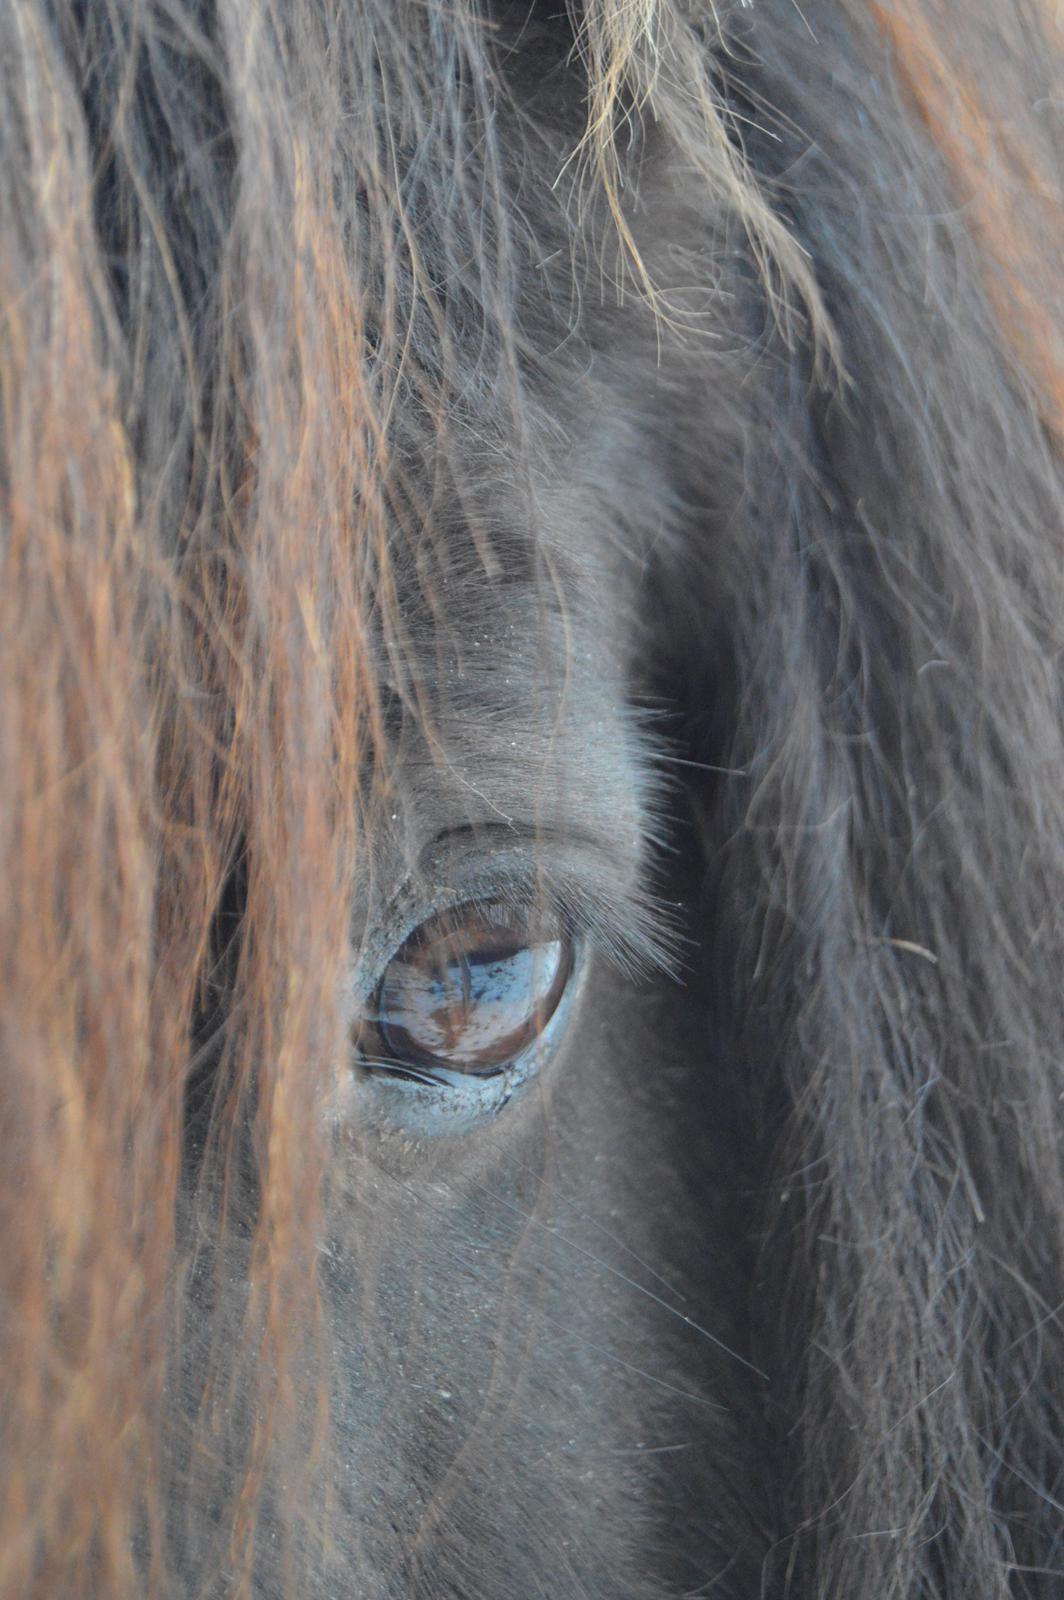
<point>471,989</point>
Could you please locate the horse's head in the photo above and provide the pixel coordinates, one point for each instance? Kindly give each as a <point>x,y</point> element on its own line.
<point>529,773</point>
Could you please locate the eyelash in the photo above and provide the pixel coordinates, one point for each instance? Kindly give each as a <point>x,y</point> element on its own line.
<point>483,874</point>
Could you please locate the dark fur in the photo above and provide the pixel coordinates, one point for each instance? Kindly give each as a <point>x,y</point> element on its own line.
<point>679,510</point>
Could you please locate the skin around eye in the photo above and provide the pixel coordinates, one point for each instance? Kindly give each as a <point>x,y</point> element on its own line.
<point>471,990</point>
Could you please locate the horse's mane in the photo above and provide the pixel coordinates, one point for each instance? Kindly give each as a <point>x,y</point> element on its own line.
<point>223,234</point>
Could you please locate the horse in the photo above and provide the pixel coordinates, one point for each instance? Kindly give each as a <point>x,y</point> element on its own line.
<point>530,794</point>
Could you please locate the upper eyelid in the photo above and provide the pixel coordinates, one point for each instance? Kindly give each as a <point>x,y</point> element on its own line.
<point>445,876</point>
<point>633,929</point>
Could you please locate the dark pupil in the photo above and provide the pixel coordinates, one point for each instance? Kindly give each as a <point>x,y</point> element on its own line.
<point>471,989</point>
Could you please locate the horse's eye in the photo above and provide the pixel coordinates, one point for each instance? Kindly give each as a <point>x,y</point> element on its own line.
<point>470,990</point>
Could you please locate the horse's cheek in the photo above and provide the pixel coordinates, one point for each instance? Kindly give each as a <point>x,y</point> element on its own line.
<point>509,1355</point>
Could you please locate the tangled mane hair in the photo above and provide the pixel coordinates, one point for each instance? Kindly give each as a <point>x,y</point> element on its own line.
<point>240,242</point>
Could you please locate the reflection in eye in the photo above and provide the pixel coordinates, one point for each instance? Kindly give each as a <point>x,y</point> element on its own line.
<point>471,989</point>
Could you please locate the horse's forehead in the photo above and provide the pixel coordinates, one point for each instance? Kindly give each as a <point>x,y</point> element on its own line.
<point>512,715</point>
